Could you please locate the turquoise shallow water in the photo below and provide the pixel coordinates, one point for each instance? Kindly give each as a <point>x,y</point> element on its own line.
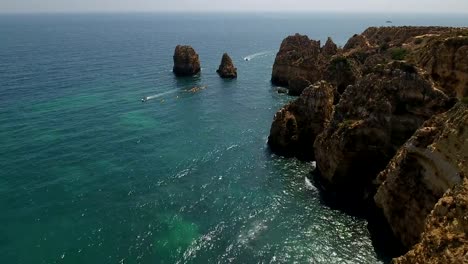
<point>89,174</point>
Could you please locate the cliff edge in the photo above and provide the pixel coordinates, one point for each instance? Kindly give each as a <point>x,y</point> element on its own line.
<point>395,137</point>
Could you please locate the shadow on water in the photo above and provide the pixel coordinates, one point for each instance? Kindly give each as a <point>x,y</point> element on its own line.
<point>184,82</point>
<point>227,83</point>
<point>386,245</point>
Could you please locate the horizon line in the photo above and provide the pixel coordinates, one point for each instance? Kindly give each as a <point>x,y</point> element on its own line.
<point>58,12</point>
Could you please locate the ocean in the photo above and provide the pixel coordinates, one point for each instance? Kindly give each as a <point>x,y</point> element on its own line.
<point>90,174</point>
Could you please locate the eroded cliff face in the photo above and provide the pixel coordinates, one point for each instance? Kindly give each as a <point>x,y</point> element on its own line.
<point>298,56</point>
<point>444,239</point>
<point>371,121</point>
<point>375,149</point>
<point>445,60</point>
<point>440,51</point>
<point>357,42</point>
<point>296,125</point>
<point>342,72</point>
<point>434,160</point>
<point>397,36</point>
<point>186,61</point>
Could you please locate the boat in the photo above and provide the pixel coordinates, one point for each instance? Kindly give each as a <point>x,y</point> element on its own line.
<point>144,99</point>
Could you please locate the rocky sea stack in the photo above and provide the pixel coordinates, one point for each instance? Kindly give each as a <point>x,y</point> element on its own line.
<point>394,140</point>
<point>297,124</point>
<point>186,61</point>
<point>226,69</point>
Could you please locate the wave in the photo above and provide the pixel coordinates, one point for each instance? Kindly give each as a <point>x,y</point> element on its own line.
<point>308,184</point>
<point>258,54</point>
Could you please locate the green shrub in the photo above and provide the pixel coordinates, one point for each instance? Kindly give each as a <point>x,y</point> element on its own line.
<point>465,100</point>
<point>457,41</point>
<point>398,53</point>
<point>340,64</point>
<point>384,46</point>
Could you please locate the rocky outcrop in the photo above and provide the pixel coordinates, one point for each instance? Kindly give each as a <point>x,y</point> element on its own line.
<point>330,48</point>
<point>298,56</point>
<point>342,72</point>
<point>226,68</point>
<point>186,61</point>
<point>357,42</point>
<point>445,237</point>
<point>373,150</point>
<point>432,161</point>
<point>372,120</point>
<point>297,124</point>
<point>372,61</point>
<point>445,60</point>
<point>297,85</point>
<point>397,36</point>
<point>281,90</point>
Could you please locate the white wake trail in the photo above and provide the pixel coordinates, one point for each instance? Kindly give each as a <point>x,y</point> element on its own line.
<point>258,54</point>
<point>147,98</point>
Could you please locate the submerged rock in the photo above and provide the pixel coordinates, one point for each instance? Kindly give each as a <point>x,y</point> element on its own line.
<point>186,61</point>
<point>226,68</point>
<point>431,162</point>
<point>298,56</point>
<point>296,125</point>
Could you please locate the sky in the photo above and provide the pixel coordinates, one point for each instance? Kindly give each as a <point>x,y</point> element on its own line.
<point>387,6</point>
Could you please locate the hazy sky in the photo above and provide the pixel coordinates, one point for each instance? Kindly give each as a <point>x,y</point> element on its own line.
<point>442,6</point>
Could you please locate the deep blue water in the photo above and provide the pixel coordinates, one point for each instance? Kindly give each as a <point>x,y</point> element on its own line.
<point>89,174</point>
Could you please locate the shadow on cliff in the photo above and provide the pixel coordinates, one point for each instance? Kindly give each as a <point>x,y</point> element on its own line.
<point>386,245</point>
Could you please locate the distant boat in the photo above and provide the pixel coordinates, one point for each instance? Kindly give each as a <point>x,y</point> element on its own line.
<point>388,22</point>
<point>246,59</point>
<point>144,99</point>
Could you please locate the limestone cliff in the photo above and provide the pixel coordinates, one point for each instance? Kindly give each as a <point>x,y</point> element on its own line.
<point>445,235</point>
<point>296,125</point>
<point>342,72</point>
<point>397,36</point>
<point>357,42</point>
<point>372,149</point>
<point>432,161</point>
<point>372,120</point>
<point>298,56</point>
<point>444,57</point>
<point>186,61</point>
